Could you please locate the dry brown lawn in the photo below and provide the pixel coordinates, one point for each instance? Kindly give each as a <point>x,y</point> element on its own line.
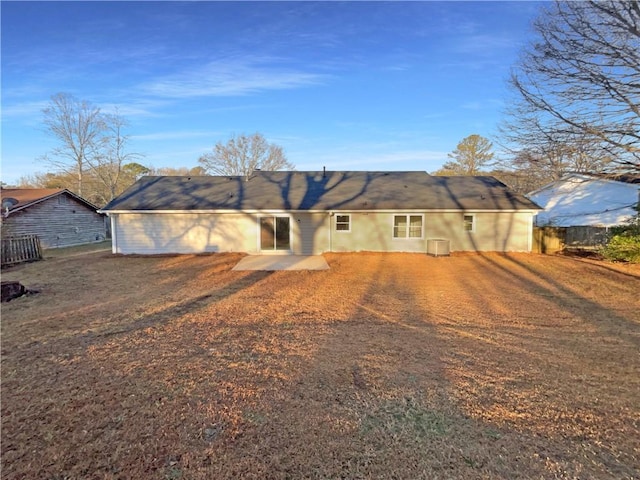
<point>386,366</point>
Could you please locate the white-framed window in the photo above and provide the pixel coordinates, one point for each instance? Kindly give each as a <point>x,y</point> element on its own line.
<point>469,222</point>
<point>407,226</point>
<point>343,222</point>
<point>63,200</point>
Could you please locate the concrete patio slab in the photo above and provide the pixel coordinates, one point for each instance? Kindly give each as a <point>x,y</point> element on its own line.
<point>282,262</point>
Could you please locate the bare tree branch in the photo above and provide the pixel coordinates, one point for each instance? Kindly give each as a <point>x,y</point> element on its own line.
<point>78,127</point>
<point>111,156</point>
<point>91,147</point>
<point>243,154</point>
<point>580,83</point>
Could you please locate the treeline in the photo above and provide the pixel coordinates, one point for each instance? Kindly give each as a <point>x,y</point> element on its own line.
<point>524,171</point>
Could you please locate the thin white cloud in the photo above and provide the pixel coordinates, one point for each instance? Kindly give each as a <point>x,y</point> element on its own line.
<point>486,44</point>
<point>231,77</point>
<point>426,160</point>
<point>175,135</point>
<point>23,109</point>
<point>186,157</point>
<point>33,109</point>
<point>476,105</point>
<point>136,108</point>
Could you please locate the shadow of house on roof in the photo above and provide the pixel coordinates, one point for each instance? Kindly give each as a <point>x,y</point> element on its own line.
<point>58,217</point>
<point>314,212</point>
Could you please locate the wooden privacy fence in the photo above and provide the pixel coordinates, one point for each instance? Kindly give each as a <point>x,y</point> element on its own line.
<point>548,239</point>
<point>587,237</point>
<point>556,239</point>
<point>25,248</point>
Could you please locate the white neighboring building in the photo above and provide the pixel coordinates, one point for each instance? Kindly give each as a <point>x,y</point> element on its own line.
<point>580,199</point>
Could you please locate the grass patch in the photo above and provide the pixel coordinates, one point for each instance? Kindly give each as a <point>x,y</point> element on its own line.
<point>407,418</point>
<point>387,366</point>
<point>77,250</point>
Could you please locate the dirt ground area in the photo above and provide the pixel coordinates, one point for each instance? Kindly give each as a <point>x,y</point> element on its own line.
<point>386,366</point>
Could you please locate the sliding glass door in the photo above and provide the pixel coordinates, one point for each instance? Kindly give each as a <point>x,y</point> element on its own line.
<point>275,233</point>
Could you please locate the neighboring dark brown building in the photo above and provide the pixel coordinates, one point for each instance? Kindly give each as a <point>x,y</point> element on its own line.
<point>59,217</point>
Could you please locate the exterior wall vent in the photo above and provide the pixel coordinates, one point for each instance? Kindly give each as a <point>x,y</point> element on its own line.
<point>438,247</point>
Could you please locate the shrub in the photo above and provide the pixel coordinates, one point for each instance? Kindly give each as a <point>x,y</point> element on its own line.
<point>630,229</point>
<point>624,247</point>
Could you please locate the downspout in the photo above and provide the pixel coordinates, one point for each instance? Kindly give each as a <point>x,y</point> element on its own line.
<point>114,236</point>
<point>530,236</point>
<point>330,228</point>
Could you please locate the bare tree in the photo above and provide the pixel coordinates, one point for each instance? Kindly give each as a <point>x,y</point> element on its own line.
<point>543,162</point>
<point>519,181</point>
<point>95,189</point>
<point>243,154</point>
<point>178,171</point>
<point>92,148</point>
<point>111,156</point>
<point>78,126</point>
<point>470,156</point>
<point>579,82</point>
<point>48,180</point>
<point>546,145</point>
<point>539,152</point>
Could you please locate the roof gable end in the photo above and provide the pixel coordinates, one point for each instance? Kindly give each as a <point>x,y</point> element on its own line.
<point>27,197</point>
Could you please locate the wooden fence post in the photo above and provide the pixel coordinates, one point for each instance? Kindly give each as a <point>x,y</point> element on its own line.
<point>548,239</point>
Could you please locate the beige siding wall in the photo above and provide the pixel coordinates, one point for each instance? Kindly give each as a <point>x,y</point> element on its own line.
<point>184,233</point>
<point>58,223</point>
<point>493,232</point>
<point>373,232</point>
<point>194,233</point>
<point>309,233</point>
<point>501,232</point>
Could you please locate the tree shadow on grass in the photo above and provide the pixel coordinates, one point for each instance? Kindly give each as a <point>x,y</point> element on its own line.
<point>567,299</point>
<point>383,373</point>
<point>187,307</point>
<point>137,312</point>
<point>408,388</point>
<point>87,417</point>
<point>555,361</point>
<point>375,400</point>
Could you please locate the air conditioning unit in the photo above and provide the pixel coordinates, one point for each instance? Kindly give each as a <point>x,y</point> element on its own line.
<point>438,247</point>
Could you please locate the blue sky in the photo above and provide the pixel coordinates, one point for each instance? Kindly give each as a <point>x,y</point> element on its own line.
<point>349,86</point>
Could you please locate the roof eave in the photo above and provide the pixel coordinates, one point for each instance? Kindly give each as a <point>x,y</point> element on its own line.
<point>327,211</point>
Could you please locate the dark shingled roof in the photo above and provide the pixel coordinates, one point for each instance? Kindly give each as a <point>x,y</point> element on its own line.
<point>281,190</point>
